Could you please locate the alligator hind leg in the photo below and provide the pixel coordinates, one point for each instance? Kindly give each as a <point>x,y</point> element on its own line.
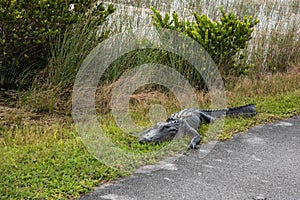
<point>187,129</point>
<point>207,118</point>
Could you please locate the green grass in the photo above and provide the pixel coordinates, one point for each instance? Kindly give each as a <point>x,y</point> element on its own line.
<point>50,162</point>
<point>269,108</point>
<point>54,165</point>
<point>41,161</point>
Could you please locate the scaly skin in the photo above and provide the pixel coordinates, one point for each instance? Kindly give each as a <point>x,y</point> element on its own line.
<point>187,121</point>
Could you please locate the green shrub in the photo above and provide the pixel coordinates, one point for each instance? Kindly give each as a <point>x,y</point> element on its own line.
<point>224,40</point>
<point>29,26</point>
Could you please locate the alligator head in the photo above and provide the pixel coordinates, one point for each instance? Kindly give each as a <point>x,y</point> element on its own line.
<point>162,131</point>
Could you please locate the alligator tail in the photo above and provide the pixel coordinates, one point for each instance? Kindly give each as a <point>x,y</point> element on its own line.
<point>246,110</point>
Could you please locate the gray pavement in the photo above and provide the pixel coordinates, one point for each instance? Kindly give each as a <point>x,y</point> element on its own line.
<point>263,163</point>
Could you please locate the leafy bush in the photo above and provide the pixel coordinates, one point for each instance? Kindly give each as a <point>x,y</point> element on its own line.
<point>27,29</point>
<point>223,39</point>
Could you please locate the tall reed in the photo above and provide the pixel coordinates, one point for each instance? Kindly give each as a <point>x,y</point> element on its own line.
<point>54,85</point>
<point>276,41</point>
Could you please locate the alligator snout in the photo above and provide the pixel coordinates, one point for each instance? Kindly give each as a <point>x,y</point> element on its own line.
<point>144,140</point>
<point>148,138</point>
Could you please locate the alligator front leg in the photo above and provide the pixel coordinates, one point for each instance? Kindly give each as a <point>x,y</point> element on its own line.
<point>187,129</point>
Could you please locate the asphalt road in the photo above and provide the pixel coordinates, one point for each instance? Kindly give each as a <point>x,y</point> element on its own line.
<point>263,163</point>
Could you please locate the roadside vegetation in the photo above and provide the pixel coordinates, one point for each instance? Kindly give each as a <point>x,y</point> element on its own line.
<point>42,155</point>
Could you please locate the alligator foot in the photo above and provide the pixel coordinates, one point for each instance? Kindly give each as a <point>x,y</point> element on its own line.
<point>193,145</point>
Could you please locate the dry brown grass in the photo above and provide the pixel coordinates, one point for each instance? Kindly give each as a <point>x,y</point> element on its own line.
<point>270,85</point>
<point>238,91</point>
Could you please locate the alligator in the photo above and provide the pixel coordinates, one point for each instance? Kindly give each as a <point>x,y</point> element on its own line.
<point>187,121</point>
